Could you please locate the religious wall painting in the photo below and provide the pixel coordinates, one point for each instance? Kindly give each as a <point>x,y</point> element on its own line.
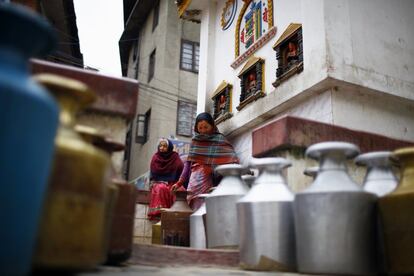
<point>222,102</point>
<point>289,53</point>
<point>254,28</point>
<point>228,14</point>
<point>251,81</point>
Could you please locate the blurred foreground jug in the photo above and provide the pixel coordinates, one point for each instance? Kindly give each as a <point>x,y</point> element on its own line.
<point>71,235</point>
<point>120,207</point>
<point>28,119</point>
<point>265,215</point>
<point>334,218</point>
<point>221,217</point>
<point>396,211</point>
<point>380,178</point>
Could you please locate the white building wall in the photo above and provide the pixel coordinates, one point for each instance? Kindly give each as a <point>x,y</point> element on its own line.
<point>366,43</point>
<point>371,43</point>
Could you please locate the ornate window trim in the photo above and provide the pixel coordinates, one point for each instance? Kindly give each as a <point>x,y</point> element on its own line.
<point>239,59</point>
<point>254,65</point>
<point>222,101</point>
<point>292,34</point>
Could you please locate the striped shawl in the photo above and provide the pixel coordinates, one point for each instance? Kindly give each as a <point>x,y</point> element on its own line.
<point>211,149</point>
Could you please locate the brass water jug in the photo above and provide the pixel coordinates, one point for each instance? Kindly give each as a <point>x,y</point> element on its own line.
<point>396,212</point>
<point>72,227</point>
<point>120,203</point>
<point>175,222</point>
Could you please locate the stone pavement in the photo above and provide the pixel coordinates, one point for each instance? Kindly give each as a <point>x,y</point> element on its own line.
<point>144,270</point>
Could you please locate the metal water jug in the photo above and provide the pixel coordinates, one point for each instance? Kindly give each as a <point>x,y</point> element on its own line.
<point>334,218</point>
<point>396,211</point>
<point>265,215</point>
<point>197,227</point>
<point>380,178</point>
<point>222,226</point>
<point>72,231</point>
<point>175,222</point>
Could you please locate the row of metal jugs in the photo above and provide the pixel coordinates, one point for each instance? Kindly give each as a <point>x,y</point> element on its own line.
<point>334,226</point>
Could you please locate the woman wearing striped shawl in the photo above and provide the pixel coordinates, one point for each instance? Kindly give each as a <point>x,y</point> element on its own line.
<point>208,149</point>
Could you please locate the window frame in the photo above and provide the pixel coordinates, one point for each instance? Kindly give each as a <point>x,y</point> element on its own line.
<point>143,121</point>
<point>193,55</point>
<point>151,65</point>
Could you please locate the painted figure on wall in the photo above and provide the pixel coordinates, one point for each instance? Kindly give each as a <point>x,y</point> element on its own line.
<point>292,53</point>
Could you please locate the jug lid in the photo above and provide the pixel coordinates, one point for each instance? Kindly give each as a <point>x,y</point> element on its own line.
<point>311,171</point>
<point>376,158</point>
<point>316,151</point>
<point>271,163</point>
<point>231,169</point>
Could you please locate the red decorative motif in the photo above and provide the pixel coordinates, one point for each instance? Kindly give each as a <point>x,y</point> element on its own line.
<point>265,15</point>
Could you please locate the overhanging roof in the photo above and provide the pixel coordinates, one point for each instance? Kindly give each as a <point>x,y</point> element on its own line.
<point>290,30</point>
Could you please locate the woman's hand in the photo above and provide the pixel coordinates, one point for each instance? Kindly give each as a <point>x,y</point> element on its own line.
<point>176,186</point>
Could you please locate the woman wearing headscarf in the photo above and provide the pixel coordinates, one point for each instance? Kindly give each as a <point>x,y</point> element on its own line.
<point>166,167</point>
<point>208,149</point>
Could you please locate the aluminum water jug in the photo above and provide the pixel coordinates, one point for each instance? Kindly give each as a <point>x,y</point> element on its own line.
<point>221,217</point>
<point>28,119</point>
<point>396,212</point>
<point>197,227</point>
<point>380,178</point>
<point>265,215</point>
<point>334,218</point>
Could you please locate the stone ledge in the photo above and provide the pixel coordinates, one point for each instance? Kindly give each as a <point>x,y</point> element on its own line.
<point>290,131</point>
<point>146,254</point>
<point>116,96</point>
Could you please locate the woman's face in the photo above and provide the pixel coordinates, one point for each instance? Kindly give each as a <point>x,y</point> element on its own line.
<point>203,127</point>
<point>163,146</point>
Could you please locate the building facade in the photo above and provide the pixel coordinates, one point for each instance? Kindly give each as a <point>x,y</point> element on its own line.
<point>61,15</point>
<point>161,52</point>
<point>269,66</point>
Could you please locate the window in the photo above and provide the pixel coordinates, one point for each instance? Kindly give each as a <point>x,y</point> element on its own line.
<point>289,53</point>
<point>127,153</point>
<point>135,58</point>
<point>186,118</point>
<point>251,81</point>
<point>143,121</point>
<point>156,15</point>
<point>151,67</point>
<point>190,56</point>
<point>222,102</point>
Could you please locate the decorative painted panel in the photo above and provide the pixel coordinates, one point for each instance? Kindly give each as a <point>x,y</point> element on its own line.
<point>254,28</point>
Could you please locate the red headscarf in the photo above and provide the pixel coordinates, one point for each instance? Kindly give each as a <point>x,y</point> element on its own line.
<point>166,166</point>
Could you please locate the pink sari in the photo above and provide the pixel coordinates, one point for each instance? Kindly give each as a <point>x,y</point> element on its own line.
<point>161,197</point>
<point>200,183</point>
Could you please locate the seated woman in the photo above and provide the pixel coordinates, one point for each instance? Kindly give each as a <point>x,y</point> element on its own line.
<point>166,167</point>
<point>208,149</point>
